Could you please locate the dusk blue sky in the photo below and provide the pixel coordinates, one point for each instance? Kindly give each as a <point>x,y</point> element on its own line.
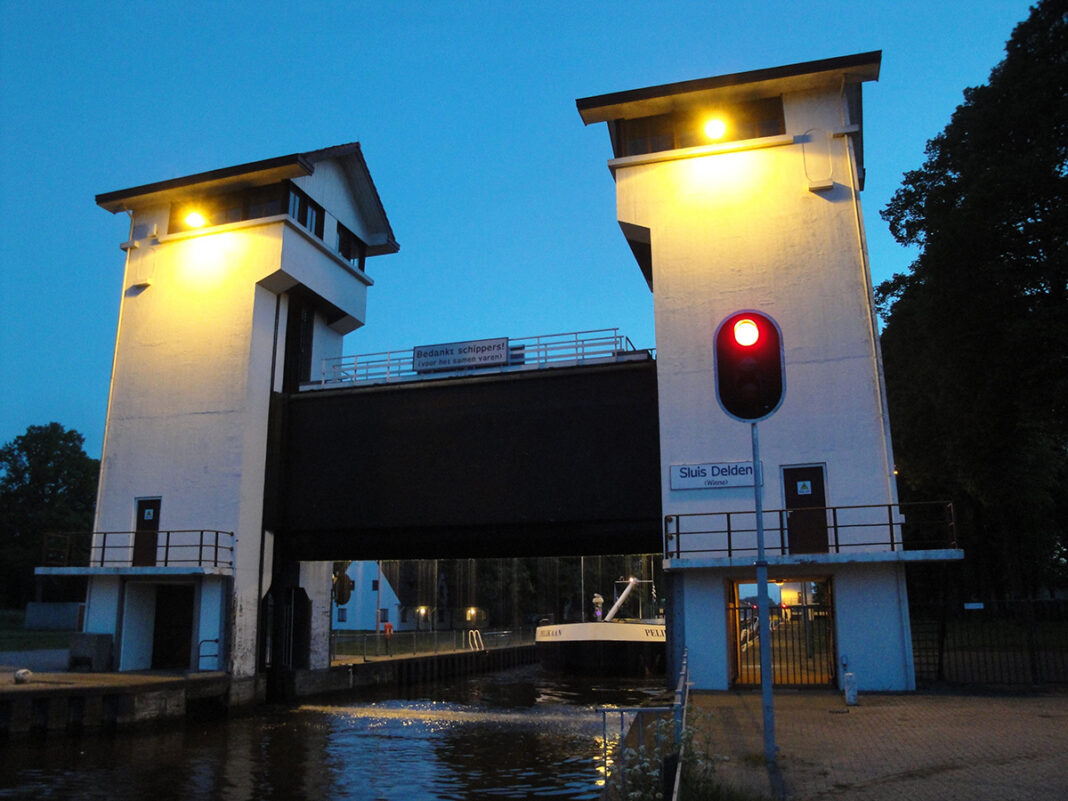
<point>499,196</point>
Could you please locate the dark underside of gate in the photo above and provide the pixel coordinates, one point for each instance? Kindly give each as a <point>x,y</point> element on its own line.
<point>540,463</point>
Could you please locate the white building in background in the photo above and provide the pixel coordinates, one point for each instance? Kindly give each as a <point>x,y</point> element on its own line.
<point>760,211</point>
<point>372,602</point>
<point>238,282</point>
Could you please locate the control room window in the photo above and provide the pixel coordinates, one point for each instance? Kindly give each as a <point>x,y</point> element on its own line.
<point>306,211</point>
<point>229,207</point>
<point>680,129</point>
<point>351,248</point>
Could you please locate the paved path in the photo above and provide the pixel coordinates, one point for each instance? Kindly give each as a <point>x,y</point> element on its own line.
<point>893,747</point>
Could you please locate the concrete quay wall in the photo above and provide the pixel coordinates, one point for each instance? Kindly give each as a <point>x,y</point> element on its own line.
<point>75,703</point>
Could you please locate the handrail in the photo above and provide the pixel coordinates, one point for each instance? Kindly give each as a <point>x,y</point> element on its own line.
<point>677,710</point>
<point>474,640</point>
<point>217,654</point>
<point>172,548</point>
<point>369,645</point>
<point>525,353</point>
<point>831,529</point>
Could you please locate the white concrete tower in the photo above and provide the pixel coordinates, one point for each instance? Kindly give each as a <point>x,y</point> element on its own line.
<point>238,283</point>
<point>742,192</point>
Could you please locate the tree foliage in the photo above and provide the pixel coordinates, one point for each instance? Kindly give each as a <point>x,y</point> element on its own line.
<point>47,484</point>
<point>975,344</point>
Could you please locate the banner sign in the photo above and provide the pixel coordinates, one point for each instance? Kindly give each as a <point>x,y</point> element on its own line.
<point>712,475</point>
<point>460,355</point>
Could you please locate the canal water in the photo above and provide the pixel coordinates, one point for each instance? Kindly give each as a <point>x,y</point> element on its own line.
<point>517,734</point>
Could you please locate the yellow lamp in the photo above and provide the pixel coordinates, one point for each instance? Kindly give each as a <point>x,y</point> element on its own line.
<point>715,128</point>
<point>194,219</point>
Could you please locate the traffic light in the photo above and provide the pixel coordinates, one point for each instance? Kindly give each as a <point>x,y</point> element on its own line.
<point>749,365</point>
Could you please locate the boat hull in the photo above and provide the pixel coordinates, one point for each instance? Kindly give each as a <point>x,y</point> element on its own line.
<point>625,648</point>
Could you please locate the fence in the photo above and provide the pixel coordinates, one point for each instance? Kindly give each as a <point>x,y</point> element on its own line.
<point>527,353</point>
<point>635,738</point>
<point>1020,642</point>
<point>368,645</point>
<point>802,645</point>
<point>832,529</point>
<point>172,548</point>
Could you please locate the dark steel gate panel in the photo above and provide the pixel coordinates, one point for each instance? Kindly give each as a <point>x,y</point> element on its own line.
<point>802,645</point>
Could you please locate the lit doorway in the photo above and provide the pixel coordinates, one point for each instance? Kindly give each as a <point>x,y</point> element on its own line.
<point>801,614</point>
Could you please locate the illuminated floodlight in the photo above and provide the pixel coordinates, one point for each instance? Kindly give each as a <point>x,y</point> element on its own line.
<point>715,128</point>
<point>194,219</point>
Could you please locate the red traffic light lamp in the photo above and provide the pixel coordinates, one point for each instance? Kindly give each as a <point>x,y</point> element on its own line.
<point>749,365</point>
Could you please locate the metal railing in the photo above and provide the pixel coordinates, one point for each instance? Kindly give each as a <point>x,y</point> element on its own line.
<point>172,548</point>
<point>640,729</point>
<point>526,353</point>
<point>368,645</point>
<point>1009,642</point>
<point>831,529</point>
<point>217,656</point>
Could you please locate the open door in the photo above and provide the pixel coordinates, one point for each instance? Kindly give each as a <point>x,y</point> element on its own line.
<point>172,638</point>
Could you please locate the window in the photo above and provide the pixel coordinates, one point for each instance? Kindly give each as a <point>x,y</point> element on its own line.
<point>684,128</point>
<point>374,585</point>
<point>351,248</point>
<point>306,211</point>
<point>266,201</point>
<point>229,207</point>
<point>250,204</point>
<point>342,615</point>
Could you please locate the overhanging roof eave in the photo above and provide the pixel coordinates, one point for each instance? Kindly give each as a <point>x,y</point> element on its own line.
<point>652,100</point>
<point>251,174</point>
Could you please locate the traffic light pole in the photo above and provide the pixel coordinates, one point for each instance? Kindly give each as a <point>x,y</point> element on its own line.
<point>763,617</point>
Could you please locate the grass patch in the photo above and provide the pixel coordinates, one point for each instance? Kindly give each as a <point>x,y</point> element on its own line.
<point>699,785</point>
<point>14,637</point>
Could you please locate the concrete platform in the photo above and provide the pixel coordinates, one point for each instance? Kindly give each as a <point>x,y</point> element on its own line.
<point>61,702</point>
<point>917,746</point>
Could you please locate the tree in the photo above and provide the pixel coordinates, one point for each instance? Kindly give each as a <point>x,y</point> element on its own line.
<point>975,344</point>
<point>47,484</point>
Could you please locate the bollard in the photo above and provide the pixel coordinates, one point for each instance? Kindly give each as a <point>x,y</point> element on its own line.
<point>850,689</point>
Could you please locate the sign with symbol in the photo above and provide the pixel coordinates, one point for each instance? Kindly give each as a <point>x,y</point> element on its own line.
<point>150,514</point>
<point>804,487</point>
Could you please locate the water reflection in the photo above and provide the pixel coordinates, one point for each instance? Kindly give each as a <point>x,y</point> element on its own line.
<point>518,734</point>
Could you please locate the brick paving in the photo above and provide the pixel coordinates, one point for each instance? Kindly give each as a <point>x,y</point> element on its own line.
<point>892,747</point>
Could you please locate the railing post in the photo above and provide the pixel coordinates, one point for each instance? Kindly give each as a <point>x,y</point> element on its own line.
<point>834,522</point>
<point>782,532</point>
<point>200,549</point>
<point>890,520</point>
<point>166,547</point>
<point>730,540</point>
<point>216,549</point>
